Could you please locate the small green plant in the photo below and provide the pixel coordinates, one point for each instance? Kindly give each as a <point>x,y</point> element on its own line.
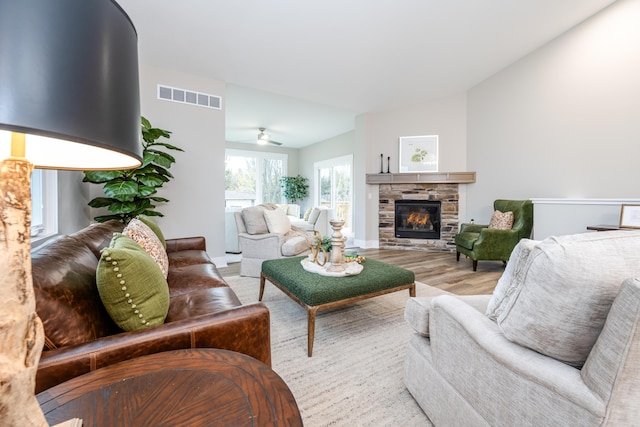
<point>325,243</point>
<point>132,192</point>
<point>294,188</point>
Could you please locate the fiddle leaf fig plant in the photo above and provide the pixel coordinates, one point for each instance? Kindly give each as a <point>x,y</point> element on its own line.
<point>129,193</point>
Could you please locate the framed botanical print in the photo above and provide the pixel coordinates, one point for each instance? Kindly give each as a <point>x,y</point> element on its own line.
<point>418,153</point>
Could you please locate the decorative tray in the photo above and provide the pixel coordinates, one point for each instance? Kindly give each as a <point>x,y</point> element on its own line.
<point>352,268</point>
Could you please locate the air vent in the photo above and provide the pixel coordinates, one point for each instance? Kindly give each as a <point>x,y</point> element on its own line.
<point>189,97</point>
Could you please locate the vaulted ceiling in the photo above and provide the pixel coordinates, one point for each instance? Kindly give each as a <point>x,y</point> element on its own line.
<point>305,69</point>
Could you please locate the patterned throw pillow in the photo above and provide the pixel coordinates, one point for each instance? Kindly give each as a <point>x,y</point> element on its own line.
<point>147,239</point>
<point>131,285</point>
<point>501,220</point>
<point>154,227</point>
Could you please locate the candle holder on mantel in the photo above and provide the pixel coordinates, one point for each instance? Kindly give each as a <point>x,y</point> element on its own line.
<point>337,247</point>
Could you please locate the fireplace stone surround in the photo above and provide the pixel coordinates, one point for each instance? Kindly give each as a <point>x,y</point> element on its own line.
<point>441,186</point>
<point>447,194</point>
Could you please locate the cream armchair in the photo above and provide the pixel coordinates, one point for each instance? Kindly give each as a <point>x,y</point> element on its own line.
<point>557,344</point>
<point>265,232</point>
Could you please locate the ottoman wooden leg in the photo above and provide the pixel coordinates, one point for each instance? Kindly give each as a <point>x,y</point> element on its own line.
<point>261,287</point>
<point>311,329</point>
<point>412,290</point>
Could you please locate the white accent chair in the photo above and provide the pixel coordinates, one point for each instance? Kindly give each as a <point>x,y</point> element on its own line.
<point>261,239</point>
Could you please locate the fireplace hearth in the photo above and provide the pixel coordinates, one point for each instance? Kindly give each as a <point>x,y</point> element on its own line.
<point>417,219</point>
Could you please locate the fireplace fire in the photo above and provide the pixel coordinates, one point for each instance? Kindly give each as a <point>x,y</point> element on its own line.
<point>417,219</point>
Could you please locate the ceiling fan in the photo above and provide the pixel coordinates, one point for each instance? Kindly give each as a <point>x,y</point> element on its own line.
<point>265,138</point>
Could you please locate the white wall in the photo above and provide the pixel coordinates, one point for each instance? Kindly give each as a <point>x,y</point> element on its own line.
<point>196,194</point>
<point>443,117</point>
<point>73,198</point>
<point>562,122</point>
<point>553,217</point>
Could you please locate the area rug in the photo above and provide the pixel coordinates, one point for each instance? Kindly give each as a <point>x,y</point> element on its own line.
<point>355,377</point>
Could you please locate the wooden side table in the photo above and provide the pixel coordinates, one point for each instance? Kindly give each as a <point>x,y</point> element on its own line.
<point>605,227</point>
<point>196,387</point>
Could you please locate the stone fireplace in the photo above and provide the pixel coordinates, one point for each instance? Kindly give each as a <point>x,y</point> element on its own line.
<point>445,194</point>
<point>434,187</point>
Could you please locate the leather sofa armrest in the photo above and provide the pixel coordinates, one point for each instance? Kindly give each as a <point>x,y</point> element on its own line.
<point>186,244</point>
<point>245,329</point>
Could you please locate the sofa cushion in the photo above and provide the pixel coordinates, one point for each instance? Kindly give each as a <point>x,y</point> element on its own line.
<point>511,279</point>
<point>202,302</point>
<point>277,221</point>
<point>313,216</point>
<point>154,227</point>
<point>67,300</point>
<point>307,213</point>
<point>97,236</point>
<point>417,310</point>
<point>501,220</point>
<point>254,222</point>
<point>566,292</point>
<point>149,241</point>
<point>131,285</point>
<point>295,245</point>
<point>194,277</point>
<point>187,257</point>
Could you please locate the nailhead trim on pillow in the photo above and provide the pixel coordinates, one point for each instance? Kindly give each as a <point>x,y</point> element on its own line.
<point>124,289</point>
<point>131,285</point>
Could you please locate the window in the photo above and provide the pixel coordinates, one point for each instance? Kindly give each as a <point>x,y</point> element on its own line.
<point>44,203</point>
<point>334,188</point>
<point>253,177</point>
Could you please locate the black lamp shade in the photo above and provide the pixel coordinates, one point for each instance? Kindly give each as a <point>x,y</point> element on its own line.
<point>69,71</point>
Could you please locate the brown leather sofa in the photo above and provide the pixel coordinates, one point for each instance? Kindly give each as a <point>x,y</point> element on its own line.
<point>80,335</point>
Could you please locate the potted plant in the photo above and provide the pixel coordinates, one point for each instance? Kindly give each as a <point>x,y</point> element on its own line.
<point>294,188</point>
<point>132,192</point>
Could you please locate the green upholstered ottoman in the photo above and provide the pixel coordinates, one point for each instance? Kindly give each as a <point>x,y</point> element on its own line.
<point>315,292</point>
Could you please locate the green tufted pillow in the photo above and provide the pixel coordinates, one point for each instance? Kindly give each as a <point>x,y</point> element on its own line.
<point>131,285</point>
<point>154,227</point>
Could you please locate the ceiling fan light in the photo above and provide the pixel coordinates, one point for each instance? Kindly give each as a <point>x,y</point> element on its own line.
<point>262,141</point>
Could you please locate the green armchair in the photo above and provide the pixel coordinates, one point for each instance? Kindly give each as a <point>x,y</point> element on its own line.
<point>479,242</point>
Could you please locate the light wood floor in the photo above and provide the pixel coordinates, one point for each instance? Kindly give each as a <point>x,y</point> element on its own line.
<point>438,269</point>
